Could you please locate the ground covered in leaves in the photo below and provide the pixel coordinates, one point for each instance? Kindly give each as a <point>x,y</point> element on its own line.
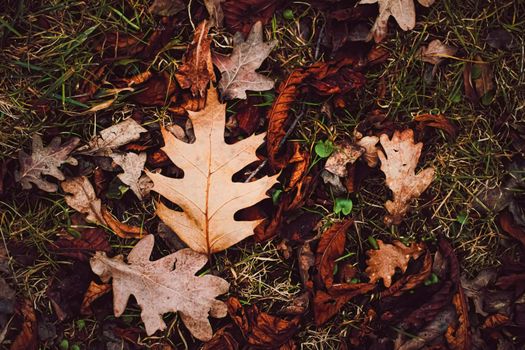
<point>321,174</point>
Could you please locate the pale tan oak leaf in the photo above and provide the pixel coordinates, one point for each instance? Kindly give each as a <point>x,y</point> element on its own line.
<point>398,163</point>
<point>165,285</point>
<point>238,69</point>
<point>382,262</point>
<point>207,195</point>
<point>403,11</point>
<point>83,199</point>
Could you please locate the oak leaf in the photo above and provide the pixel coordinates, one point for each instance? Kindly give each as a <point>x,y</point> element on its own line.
<point>165,285</point>
<point>208,197</point>
<point>132,164</point>
<point>197,68</point>
<point>241,15</point>
<point>398,163</point>
<point>113,137</point>
<point>45,161</point>
<point>238,69</point>
<point>27,339</point>
<point>436,52</point>
<point>403,11</point>
<point>382,263</point>
<point>83,199</point>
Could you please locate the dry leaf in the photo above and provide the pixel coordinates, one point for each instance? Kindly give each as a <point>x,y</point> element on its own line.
<point>433,330</point>
<point>382,263</point>
<point>222,340</point>
<point>165,285</point>
<point>370,154</point>
<point>331,246</point>
<point>166,7</point>
<point>438,121</point>
<point>403,11</point>
<point>241,15</point>
<point>344,154</point>
<point>238,69</point>
<point>261,329</point>
<point>327,304</point>
<point>27,339</point>
<point>93,292</point>
<point>132,164</point>
<point>409,282</point>
<point>121,229</point>
<point>82,248</point>
<point>45,161</point>
<point>399,165</point>
<point>197,68</point>
<point>113,137</point>
<point>83,198</point>
<point>214,9</point>
<point>459,337</point>
<point>478,79</point>
<point>208,197</point>
<point>436,52</point>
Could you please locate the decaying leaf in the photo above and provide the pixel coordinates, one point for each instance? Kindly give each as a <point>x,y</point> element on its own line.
<point>344,154</point>
<point>402,10</point>
<point>331,246</point>
<point>370,150</point>
<point>436,52</point>
<point>27,339</point>
<point>327,304</point>
<point>476,288</point>
<point>409,282</point>
<point>166,7</point>
<point>113,137</point>
<point>93,292</point>
<point>398,163</point>
<point>382,263</point>
<point>478,80</point>
<point>132,164</point>
<point>196,70</point>
<point>238,69</point>
<point>45,161</point>
<point>82,248</point>
<point>222,340</point>
<point>261,329</point>
<point>83,199</point>
<point>206,194</point>
<point>433,330</point>
<point>459,336</point>
<point>214,9</point>
<point>165,285</point>
<point>241,15</point>
<point>121,229</point>
<point>438,121</point>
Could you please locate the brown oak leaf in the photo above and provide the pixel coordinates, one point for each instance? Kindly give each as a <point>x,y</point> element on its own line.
<point>165,285</point>
<point>398,163</point>
<point>45,161</point>
<point>382,263</point>
<point>197,68</point>
<point>238,69</point>
<point>83,199</point>
<point>207,195</point>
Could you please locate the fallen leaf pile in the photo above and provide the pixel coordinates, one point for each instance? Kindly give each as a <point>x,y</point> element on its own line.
<point>186,151</point>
